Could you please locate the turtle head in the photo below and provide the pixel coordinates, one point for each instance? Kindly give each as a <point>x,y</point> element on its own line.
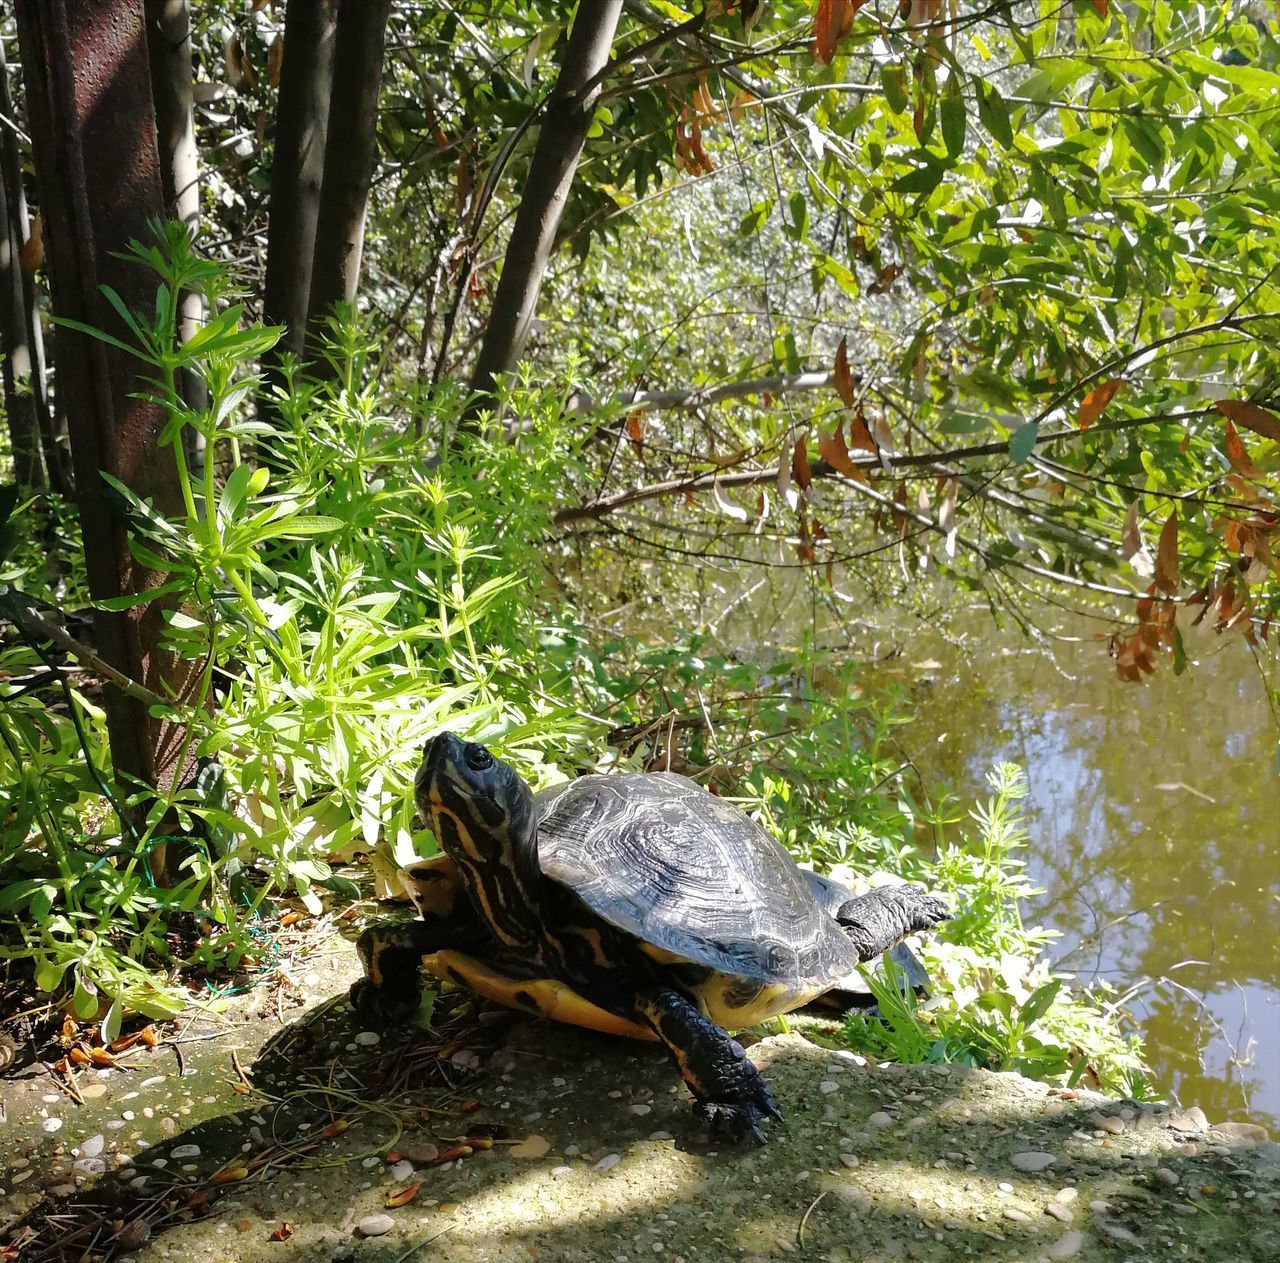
<point>483,815</point>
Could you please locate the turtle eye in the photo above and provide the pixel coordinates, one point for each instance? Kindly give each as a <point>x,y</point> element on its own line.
<point>478,758</point>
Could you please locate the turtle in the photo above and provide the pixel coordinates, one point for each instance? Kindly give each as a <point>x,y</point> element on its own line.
<point>634,903</point>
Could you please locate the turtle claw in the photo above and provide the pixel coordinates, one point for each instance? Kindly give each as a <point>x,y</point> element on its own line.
<point>736,1120</point>
<point>374,1004</point>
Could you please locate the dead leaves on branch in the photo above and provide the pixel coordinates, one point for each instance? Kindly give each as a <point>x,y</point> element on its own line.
<point>832,23</point>
<point>1251,417</point>
<point>1094,404</point>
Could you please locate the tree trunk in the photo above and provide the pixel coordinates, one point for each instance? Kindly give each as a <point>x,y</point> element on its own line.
<point>546,191</point>
<point>94,136</point>
<point>350,155</point>
<point>169,55</point>
<point>27,348</point>
<point>297,169</point>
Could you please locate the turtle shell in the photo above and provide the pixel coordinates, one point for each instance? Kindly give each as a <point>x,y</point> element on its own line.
<point>657,856</point>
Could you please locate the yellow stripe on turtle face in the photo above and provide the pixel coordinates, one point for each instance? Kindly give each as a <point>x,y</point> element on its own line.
<point>545,996</point>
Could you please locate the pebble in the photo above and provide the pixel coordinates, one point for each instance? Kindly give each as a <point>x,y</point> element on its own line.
<point>1032,1161</point>
<point>608,1162</point>
<point>51,1125</point>
<point>661,1135</point>
<point>1163,1175</point>
<point>90,1166</point>
<point>92,1147</point>
<point>851,1160</point>
<point>1066,1195</point>
<point>1068,1245</point>
<point>880,1119</point>
<point>1250,1133</point>
<point>1112,1125</point>
<point>1059,1212</point>
<point>1192,1118</point>
<point>1018,1216</point>
<point>1099,1207</point>
<point>375,1225</point>
<point>1004,1186</point>
<point>92,1091</point>
<point>367,1039</point>
<point>401,1170</point>
<point>827,1086</point>
<point>640,1110</point>
<point>184,1151</point>
<point>560,1172</point>
<point>1121,1233</point>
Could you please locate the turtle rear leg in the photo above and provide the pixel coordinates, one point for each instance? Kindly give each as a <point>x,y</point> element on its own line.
<point>728,1090</point>
<point>391,953</point>
<point>885,916</point>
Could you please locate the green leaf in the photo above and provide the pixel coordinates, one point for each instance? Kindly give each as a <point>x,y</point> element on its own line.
<point>1022,442</point>
<point>111,1022</point>
<point>1179,653</point>
<point>994,114</point>
<point>798,204</point>
<point>49,976</point>
<point>953,118</point>
<point>894,81</point>
<point>961,423</point>
<point>1039,1002</point>
<point>924,179</point>
<point>755,218</point>
<point>84,1002</point>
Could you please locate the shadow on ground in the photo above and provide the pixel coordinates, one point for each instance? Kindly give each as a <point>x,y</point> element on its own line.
<point>870,1164</point>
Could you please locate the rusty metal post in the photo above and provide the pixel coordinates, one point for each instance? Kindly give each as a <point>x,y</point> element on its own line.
<point>98,170</point>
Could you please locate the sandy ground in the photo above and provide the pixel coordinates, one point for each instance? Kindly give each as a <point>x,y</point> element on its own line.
<point>596,1155</point>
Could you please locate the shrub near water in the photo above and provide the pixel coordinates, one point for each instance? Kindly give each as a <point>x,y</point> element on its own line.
<point>348,603</point>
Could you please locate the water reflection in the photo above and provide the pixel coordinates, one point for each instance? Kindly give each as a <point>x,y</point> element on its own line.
<point>1155,818</point>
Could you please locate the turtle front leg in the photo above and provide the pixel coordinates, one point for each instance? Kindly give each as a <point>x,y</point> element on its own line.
<point>391,953</point>
<point>728,1090</point>
<point>882,917</point>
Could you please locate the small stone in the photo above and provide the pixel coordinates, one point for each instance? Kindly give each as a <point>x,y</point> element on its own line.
<point>843,1054</point>
<point>367,1039</point>
<point>1191,1119</point>
<point>1112,1125</point>
<point>402,1170</point>
<point>421,1152</point>
<point>51,1125</point>
<point>92,1091</point>
<point>1066,1195</point>
<point>1120,1233</point>
<point>640,1110</point>
<point>851,1160</point>
<point>1163,1175</point>
<point>375,1225</point>
<point>90,1166</point>
<point>1018,1216</point>
<point>827,1086</point>
<point>1033,1161</point>
<point>93,1146</point>
<point>608,1162</point>
<point>1059,1212</point>
<point>615,1095</point>
<point>661,1135</point>
<point>1004,1187</point>
<point>879,1119</point>
<point>184,1151</point>
<point>1250,1133</point>
<point>560,1172</point>
<point>1068,1245</point>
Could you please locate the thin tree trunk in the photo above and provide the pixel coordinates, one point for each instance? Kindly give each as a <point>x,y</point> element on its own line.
<point>297,169</point>
<point>546,191</point>
<point>94,137</point>
<point>350,155</point>
<point>19,406</point>
<point>29,357</point>
<point>169,52</point>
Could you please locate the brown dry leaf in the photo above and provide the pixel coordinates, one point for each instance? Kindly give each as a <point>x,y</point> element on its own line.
<point>31,256</point>
<point>149,1035</point>
<point>885,278</point>
<point>1167,556</point>
<point>335,1128</point>
<point>635,431</point>
<point>1101,6</point>
<point>1249,415</point>
<point>1239,458</point>
<point>1094,404</point>
<point>403,1196</point>
<point>102,1057</point>
<point>836,454</point>
<point>1134,551</point>
<point>239,68</point>
<point>741,103</point>
<point>283,1231</point>
<point>860,436</point>
<point>232,1173</point>
<point>842,378</point>
<point>800,463</point>
<point>275,60</point>
<point>831,26</point>
<point>531,1147</point>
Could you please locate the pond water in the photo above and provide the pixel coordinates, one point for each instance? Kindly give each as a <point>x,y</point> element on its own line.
<point>1154,812</point>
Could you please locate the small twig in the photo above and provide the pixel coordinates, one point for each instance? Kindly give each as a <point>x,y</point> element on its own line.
<point>413,1249</point>
<point>813,1205</point>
